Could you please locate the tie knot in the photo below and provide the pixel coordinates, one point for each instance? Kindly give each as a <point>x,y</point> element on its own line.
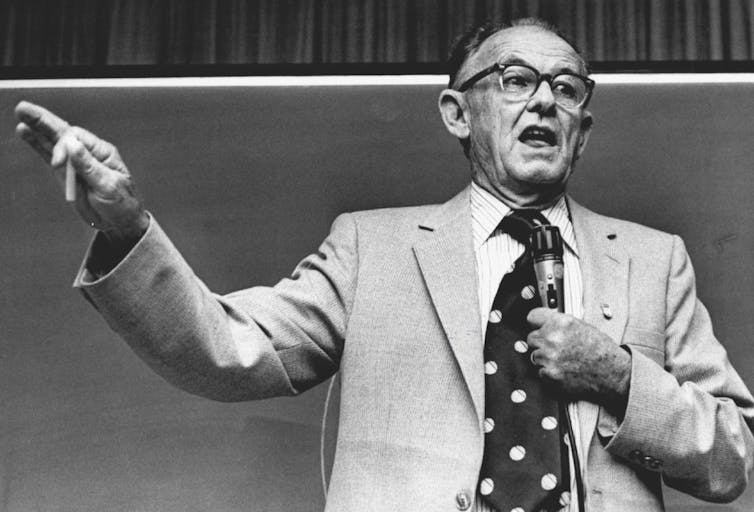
<point>519,224</point>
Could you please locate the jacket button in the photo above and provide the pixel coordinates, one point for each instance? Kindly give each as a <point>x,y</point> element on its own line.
<point>462,501</point>
<point>636,455</point>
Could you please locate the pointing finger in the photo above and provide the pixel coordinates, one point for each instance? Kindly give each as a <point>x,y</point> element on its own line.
<point>40,144</point>
<point>41,120</point>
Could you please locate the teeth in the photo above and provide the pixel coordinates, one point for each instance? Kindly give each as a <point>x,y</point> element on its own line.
<point>539,134</point>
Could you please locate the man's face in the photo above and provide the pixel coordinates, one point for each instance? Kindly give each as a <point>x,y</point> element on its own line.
<point>523,150</point>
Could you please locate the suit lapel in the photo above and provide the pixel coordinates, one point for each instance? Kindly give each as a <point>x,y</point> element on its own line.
<point>604,266</point>
<point>446,257</point>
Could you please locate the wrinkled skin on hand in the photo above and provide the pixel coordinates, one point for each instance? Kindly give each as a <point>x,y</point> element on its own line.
<point>105,193</point>
<point>578,360</point>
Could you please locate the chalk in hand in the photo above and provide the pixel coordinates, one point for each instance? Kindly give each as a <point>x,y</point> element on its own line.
<point>70,181</point>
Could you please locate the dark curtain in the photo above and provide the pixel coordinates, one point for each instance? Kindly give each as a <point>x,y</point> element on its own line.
<point>160,32</point>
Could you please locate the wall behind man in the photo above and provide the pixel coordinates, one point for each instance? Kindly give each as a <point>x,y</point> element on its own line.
<point>246,182</point>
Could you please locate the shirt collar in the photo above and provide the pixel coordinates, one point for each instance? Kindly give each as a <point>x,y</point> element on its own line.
<point>487,211</point>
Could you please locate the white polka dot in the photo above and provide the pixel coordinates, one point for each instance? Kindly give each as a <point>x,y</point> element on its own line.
<point>495,316</point>
<point>517,509</point>
<point>517,453</point>
<point>565,499</point>
<point>566,440</point>
<point>549,482</point>
<point>489,425</point>
<point>521,346</point>
<point>490,367</point>
<point>486,486</point>
<point>518,396</point>
<point>549,423</point>
<point>528,292</point>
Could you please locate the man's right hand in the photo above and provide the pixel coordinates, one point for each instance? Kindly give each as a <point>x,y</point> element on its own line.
<point>105,194</point>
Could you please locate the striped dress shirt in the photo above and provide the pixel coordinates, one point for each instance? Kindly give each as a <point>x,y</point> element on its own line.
<point>496,253</point>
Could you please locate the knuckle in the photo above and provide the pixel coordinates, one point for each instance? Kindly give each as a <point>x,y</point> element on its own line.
<point>554,373</point>
<point>111,161</point>
<point>548,374</point>
<point>103,146</point>
<point>118,181</point>
<point>67,132</point>
<point>107,188</point>
<point>110,184</point>
<point>122,184</point>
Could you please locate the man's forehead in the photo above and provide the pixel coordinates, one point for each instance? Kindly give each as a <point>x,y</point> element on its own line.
<point>524,44</point>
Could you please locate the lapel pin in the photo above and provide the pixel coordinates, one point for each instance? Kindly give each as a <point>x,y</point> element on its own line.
<point>606,312</point>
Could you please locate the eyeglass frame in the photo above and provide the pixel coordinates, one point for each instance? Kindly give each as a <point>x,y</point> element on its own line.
<point>541,77</point>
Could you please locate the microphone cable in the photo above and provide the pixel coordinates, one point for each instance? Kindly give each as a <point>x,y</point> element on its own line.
<point>325,410</point>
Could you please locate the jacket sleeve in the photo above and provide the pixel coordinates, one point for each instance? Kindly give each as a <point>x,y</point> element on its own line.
<point>254,343</point>
<point>691,420</point>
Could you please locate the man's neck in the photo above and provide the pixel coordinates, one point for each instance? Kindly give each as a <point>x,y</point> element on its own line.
<point>539,199</point>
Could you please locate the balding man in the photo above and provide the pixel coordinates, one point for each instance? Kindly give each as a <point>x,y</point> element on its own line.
<point>414,307</point>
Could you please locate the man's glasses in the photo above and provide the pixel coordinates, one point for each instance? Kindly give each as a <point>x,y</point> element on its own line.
<point>519,82</point>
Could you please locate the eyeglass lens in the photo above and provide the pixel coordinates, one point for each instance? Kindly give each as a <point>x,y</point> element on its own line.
<point>520,81</point>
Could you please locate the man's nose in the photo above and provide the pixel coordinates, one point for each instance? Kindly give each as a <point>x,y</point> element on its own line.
<point>542,99</point>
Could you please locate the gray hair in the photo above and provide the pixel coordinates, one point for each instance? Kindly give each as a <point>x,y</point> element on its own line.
<point>470,41</point>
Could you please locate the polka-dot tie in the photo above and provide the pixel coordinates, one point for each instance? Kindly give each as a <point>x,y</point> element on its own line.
<point>525,464</point>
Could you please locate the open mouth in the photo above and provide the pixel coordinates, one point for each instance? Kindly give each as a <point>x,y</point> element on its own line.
<point>538,136</point>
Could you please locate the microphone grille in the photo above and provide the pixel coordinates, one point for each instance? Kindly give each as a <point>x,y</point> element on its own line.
<point>546,240</point>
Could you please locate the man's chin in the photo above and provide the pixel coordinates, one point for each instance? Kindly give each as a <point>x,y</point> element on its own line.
<point>544,174</point>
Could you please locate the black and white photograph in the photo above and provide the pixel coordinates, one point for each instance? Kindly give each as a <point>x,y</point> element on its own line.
<point>376,255</point>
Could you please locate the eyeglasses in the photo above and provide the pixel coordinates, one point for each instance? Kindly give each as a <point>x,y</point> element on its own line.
<point>519,81</point>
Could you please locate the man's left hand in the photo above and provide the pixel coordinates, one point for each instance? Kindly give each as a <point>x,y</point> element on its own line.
<point>579,360</point>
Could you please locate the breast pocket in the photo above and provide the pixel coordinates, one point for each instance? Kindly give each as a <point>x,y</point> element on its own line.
<point>649,343</point>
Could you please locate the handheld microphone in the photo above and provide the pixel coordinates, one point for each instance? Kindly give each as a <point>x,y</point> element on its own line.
<point>547,253</point>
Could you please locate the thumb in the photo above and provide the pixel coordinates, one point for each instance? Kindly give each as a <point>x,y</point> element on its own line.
<point>537,317</point>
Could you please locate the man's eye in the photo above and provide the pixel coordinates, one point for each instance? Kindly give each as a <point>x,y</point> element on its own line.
<point>566,89</point>
<point>515,81</point>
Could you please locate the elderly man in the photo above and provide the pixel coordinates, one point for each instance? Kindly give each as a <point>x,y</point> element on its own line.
<point>457,393</point>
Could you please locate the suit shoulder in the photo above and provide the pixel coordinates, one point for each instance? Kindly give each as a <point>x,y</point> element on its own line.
<point>395,226</point>
<point>641,241</point>
<point>640,231</point>
<point>638,240</point>
<point>409,213</point>
<point>396,218</point>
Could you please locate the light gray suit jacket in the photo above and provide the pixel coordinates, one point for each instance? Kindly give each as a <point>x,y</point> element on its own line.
<point>390,299</point>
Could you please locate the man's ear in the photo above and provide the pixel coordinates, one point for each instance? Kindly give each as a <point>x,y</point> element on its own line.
<point>585,130</point>
<point>454,112</point>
